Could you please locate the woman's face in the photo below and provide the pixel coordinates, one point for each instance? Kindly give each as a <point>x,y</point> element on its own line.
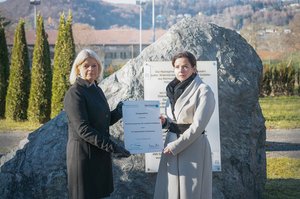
<point>89,70</point>
<point>183,69</point>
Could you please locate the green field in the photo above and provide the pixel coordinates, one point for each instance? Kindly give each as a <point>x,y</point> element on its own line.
<point>283,174</point>
<point>11,126</point>
<point>283,178</point>
<point>281,112</point>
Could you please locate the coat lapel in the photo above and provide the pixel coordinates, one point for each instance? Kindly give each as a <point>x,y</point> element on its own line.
<point>102,95</point>
<point>93,88</point>
<point>186,95</point>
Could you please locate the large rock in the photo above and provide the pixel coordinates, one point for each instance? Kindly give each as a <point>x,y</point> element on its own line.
<point>38,170</point>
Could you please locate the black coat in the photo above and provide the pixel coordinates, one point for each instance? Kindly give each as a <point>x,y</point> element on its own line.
<point>89,147</point>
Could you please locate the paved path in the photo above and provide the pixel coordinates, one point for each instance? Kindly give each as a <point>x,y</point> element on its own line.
<point>280,143</point>
<point>283,143</point>
<point>10,140</point>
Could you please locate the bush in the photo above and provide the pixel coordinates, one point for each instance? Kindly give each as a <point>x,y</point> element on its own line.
<point>266,81</point>
<point>279,79</point>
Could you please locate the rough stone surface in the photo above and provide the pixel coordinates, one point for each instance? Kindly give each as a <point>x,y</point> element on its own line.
<point>37,169</point>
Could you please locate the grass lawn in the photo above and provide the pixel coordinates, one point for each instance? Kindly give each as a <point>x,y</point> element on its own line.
<point>283,178</point>
<point>281,112</point>
<point>283,174</point>
<point>11,126</point>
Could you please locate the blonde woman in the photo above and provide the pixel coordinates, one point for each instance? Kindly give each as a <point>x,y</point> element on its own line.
<point>89,146</point>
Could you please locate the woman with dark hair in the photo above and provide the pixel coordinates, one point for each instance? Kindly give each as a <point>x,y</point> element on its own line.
<point>89,146</point>
<point>185,170</point>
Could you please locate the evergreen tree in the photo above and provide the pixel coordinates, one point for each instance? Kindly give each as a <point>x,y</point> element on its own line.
<point>40,91</point>
<point>19,78</point>
<point>298,80</point>
<point>4,70</point>
<point>70,46</point>
<point>64,53</point>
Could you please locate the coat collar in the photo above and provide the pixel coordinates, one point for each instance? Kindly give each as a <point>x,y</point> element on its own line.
<point>186,95</point>
<point>85,83</point>
<point>92,87</point>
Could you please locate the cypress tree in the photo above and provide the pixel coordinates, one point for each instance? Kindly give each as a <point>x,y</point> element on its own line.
<point>57,79</point>
<point>298,80</point>
<point>19,78</point>
<point>64,53</point>
<point>4,70</point>
<point>40,91</point>
<point>70,46</point>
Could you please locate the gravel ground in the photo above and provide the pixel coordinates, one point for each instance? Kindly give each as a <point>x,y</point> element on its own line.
<point>280,143</point>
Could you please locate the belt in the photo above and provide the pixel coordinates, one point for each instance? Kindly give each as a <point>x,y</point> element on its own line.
<point>179,128</point>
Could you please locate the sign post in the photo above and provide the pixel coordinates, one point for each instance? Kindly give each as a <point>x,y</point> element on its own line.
<point>156,77</point>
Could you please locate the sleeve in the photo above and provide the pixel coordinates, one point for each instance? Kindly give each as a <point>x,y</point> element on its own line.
<point>166,125</point>
<point>75,107</point>
<point>115,116</point>
<point>203,112</point>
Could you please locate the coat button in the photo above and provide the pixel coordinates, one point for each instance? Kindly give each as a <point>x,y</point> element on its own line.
<point>106,116</point>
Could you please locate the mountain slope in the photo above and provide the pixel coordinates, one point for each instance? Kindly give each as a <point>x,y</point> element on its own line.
<point>97,14</point>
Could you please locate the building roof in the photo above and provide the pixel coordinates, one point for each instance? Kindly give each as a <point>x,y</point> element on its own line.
<point>98,37</point>
<point>116,37</point>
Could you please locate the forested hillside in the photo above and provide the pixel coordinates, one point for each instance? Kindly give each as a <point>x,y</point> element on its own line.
<point>234,14</point>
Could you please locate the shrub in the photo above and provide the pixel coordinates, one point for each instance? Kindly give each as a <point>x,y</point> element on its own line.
<point>279,79</point>
<point>266,81</point>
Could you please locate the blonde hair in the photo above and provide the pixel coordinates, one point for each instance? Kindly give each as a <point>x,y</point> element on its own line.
<point>81,57</point>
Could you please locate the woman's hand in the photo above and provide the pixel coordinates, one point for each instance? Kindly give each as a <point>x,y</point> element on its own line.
<point>167,151</point>
<point>162,119</point>
<point>120,151</point>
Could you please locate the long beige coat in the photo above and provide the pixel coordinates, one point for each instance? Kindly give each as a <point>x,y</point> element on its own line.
<point>187,173</point>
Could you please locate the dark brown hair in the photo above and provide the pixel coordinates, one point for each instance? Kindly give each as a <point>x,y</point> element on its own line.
<point>185,54</point>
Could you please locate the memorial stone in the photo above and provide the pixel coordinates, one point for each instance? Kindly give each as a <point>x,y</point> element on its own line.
<point>37,169</point>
